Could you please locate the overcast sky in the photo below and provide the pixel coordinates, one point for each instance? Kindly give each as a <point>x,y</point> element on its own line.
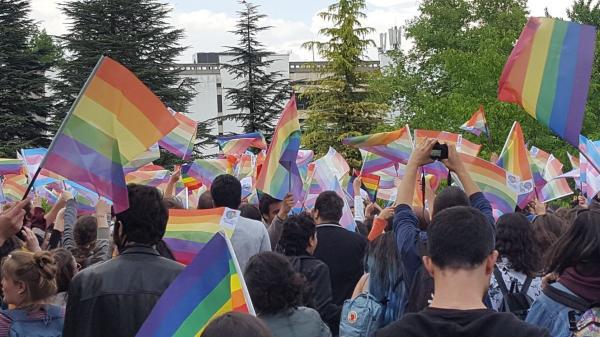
<point>207,22</point>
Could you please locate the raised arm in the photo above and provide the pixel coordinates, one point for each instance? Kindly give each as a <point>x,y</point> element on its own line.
<point>170,189</point>
<point>419,157</point>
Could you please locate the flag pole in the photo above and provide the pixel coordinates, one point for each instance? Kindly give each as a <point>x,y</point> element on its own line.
<point>240,273</point>
<point>63,124</point>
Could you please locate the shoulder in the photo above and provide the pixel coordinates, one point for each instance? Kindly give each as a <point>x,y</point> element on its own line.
<point>400,327</point>
<point>5,322</point>
<point>250,226</point>
<point>517,327</point>
<point>309,314</point>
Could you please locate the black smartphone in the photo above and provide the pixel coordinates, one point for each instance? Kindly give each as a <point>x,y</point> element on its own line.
<point>439,152</point>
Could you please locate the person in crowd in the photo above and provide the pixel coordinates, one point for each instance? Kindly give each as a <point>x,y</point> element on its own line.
<point>250,212</point>
<point>547,228</point>
<point>298,242</point>
<point>236,324</point>
<point>277,293</point>
<point>276,226</point>
<point>250,237</point>
<point>205,201</point>
<point>115,297</point>
<point>269,208</point>
<point>461,258</point>
<point>28,283</point>
<point>173,203</point>
<point>575,259</point>
<point>66,267</point>
<point>341,250</point>
<point>382,222</point>
<point>518,258</point>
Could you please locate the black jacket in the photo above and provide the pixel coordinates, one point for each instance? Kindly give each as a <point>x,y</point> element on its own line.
<point>343,252</point>
<point>317,275</point>
<point>114,298</point>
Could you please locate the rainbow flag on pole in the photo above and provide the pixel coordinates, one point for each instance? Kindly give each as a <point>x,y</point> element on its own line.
<point>370,183</point>
<point>548,74</point>
<point>180,141</point>
<point>539,160</point>
<point>210,286</point>
<point>10,166</point>
<point>556,188</point>
<point>477,123</point>
<point>372,162</point>
<point>206,170</point>
<point>114,119</point>
<point>514,158</point>
<point>238,144</point>
<point>462,145</point>
<point>395,146</point>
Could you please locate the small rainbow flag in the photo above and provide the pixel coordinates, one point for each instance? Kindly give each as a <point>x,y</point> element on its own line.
<point>555,188</point>
<point>477,123</point>
<point>115,119</point>
<point>205,171</point>
<point>539,160</point>
<point>279,174</point>
<point>14,186</point>
<point>238,144</point>
<point>395,146</point>
<point>188,231</point>
<point>370,183</point>
<point>590,151</point>
<point>514,158</point>
<point>387,196</point>
<point>372,162</point>
<point>180,141</point>
<point>548,74</point>
<point>10,166</point>
<point>210,286</point>
<point>152,178</point>
<point>462,145</point>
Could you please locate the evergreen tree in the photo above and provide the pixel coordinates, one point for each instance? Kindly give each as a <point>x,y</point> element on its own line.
<point>261,94</point>
<point>25,57</point>
<point>338,104</point>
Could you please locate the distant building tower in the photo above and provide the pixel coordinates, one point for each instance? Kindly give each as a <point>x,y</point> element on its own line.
<point>395,34</point>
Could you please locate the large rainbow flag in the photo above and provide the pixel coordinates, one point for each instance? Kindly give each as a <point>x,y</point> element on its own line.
<point>114,119</point>
<point>10,166</point>
<point>462,145</point>
<point>279,173</point>
<point>395,146</point>
<point>180,141</point>
<point>477,123</point>
<point>188,231</point>
<point>514,158</point>
<point>548,74</point>
<point>207,288</point>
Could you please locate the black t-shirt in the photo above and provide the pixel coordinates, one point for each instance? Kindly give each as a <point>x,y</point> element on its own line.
<point>433,322</point>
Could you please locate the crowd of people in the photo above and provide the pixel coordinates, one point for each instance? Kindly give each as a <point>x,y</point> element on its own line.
<point>452,270</point>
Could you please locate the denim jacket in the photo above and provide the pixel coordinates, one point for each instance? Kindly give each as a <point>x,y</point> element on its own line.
<point>549,314</point>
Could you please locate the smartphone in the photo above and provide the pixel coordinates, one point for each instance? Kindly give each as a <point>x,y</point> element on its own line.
<point>439,152</point>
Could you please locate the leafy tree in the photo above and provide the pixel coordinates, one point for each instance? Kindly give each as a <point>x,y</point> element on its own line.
<point>338,105</point>
<point>261,94</point>
<point>26,56</point>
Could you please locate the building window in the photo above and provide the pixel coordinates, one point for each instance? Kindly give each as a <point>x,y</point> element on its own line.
<point>219,103</point>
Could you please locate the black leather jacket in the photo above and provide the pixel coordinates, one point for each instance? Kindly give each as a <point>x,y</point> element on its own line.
<point>115,297</point>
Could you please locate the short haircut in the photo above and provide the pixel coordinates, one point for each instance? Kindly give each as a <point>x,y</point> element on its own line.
<point>330,206</point>
<point>250,212</point>
<point>205,201</point>
<point>296,234</point>
<point>449,197</point>
<point>459,238</point>
<point>236,324</point>
<point>265,203</point>
<point>85,231</point>
<point>146,218</point>
<point>226,191</point>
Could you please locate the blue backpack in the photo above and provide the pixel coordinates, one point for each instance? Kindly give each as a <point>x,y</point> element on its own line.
<point>361,316</point>
<point>24,326</point>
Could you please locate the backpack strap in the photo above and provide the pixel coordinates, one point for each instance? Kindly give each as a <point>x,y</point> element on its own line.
<point>567,299</point>
<point>526,285</point>
<point>500,281</point>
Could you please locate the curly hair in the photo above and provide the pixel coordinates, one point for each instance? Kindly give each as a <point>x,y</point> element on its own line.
<point>273,284</point>
<point>297,231</point>
<point>515,241</point>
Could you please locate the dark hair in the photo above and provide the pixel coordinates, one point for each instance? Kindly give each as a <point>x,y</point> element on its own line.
<point>66,268</point>
<point>459,238</point>
<point>273,283</point>
<point>250,212</point>
<point>205,201</point>
<point>515,241</point>
<point>451,196</point>
<point>85,234</point>
<point>296,234</point>
<point>362,229</point>
<point>579,246</point>
<point>330,206</point>
<point>37,218</point>
<point>423,217</point>
<point>547,228</point>
<point>236,324</point>
<point>226,191</point>
<point>265,202</point>
<point>146,218</point>
<point>173,203</point>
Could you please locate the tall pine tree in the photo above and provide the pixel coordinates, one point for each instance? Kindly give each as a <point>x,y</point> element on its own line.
<point>261,94</point>
<point>24,60</point>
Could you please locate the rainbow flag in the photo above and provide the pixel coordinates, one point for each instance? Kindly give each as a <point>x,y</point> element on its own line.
<point>245,166</point>
<point>10,166</point>
<point>206,170</point>
<point>210,286</point>
<point>153,178</point>
<point>335,162</point>
<point>14,186</point>
<point>386,181</point>
<point>514,158</point>
<point>279,174</point>
<point>188,181</point>
<point>372,162</point>
<point>188,231</point>
<point>476,124</point>
<point>115,119</point>
<point>556,188</point>
<point>538,159</point>
<point>548,74</point>
<point>302,160</point>
<point>386,196</point>
<point>143,159</point>
<point>32,158</point>
<point>370,183</point>
<point>180,141</point>
<point>395,146</point>
<point>462,145</point>
<point>238,144</point>
<point>493,182</point>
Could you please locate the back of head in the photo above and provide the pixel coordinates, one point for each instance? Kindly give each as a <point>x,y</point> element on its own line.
<point>273,284</point>
<point>146,218</point>
<point>66,268</point>
<point>297,231</point>
<point>85,231</point>
<point>205,201</point>
<point>459,238</point>
<point>547,228</point>
<point>330,207</point>
<point>515,242</point>
<point>173,203</point>
<point>36,270</point>
<point>236,324</point>
<point>226,191</point>
<point>451,196</point>
<point>250,212</point>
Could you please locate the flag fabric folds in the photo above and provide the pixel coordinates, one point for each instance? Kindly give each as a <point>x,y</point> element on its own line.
<point>335,162</point>
<point>556,187</point>
<point>372,162</point>
<point>538,159</point>
<point>462,145</point>
<point>14,186</point>
<point>590,151</point>
<point>370,183</point>
<point>548,74</point>
<point>180,141</point>
<point>205,171</point>
<point>10,166</point>
<point>477,123</point>
<point>238,144</point>
<point>395,146</point>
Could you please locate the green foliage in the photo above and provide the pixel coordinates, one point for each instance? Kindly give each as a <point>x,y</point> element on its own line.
<point>339,106</point>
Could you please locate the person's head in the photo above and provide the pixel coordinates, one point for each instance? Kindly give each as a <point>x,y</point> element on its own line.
<point>145,220</point>
<point>205,201</point>
<point>328,208</point>
<point>173,203</point>
<point>250,212</point>
<point>451,196</point>
<point>547,228</point>
<point>269,207</point>
<point>226,191</point>
<point>28,279</point>
<point>460,241</point>
<point>299,236</point>
<point>515,242</point>
<point>273,284</point>
<point>66,266</point>
<point>579,247</point>
<point>236,324</point>
<point>37,218</point>
<point>85,231</point>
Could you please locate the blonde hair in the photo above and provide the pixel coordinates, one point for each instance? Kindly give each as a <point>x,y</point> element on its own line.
<point>37,270</point>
